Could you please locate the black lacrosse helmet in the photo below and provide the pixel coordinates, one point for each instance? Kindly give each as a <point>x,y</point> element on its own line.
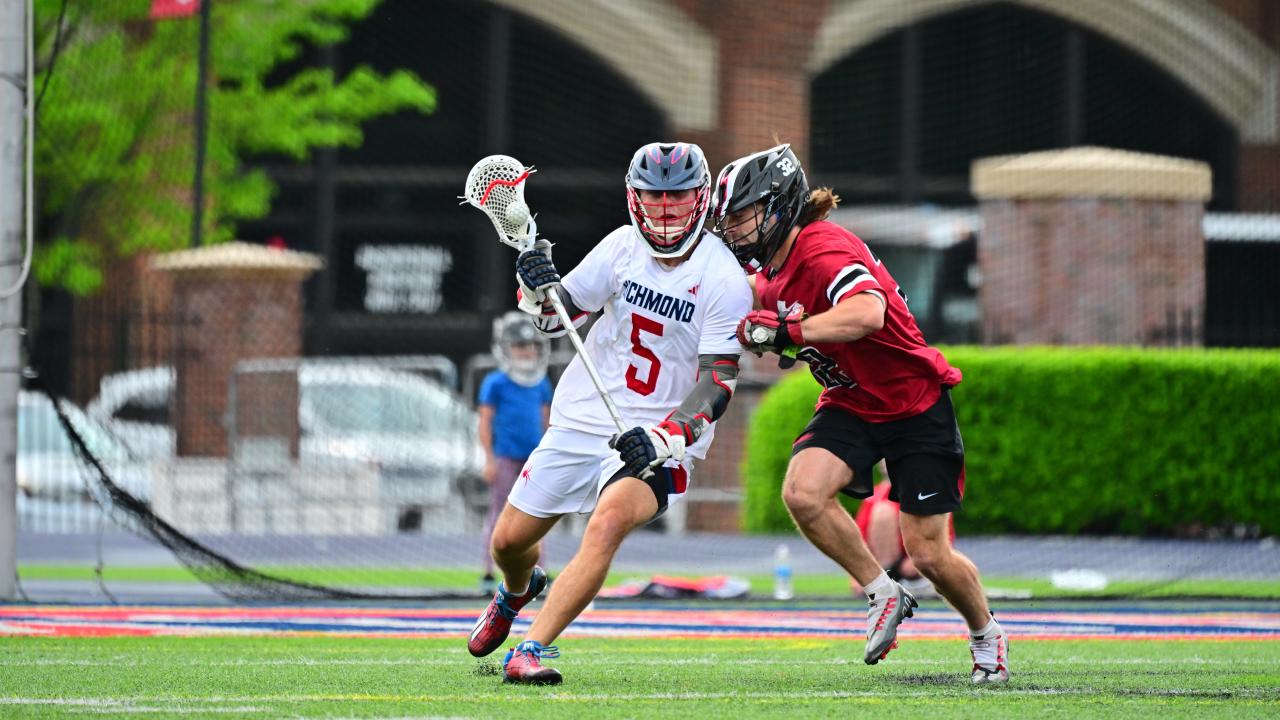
<point>772,177</point>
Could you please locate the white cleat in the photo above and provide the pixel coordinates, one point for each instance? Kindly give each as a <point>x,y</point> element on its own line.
<point>884,615</point>
<point>990,657</point>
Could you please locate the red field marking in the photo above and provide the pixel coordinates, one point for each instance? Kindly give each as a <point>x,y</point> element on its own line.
<point>678,622</point>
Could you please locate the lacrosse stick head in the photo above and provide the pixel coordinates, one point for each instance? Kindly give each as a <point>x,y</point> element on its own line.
<point>495,186</point>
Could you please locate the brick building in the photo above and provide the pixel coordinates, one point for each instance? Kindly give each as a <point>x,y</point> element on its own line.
<point>889,102</point>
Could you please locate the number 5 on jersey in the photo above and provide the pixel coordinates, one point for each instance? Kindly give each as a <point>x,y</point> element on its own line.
<point>640,323</point>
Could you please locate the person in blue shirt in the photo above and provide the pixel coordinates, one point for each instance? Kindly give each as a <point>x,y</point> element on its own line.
<point>514,405</point>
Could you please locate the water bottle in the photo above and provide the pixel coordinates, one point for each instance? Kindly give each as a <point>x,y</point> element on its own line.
<point>782,589</point>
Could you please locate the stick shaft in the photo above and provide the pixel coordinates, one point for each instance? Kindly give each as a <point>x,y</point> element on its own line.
<point>525,242</point>
<point>558,304</point>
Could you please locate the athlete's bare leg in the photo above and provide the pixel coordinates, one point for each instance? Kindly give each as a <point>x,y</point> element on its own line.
<point>624,505</point>
<point>814,477</point>
<point>514,545</point>
<point>928,542</point>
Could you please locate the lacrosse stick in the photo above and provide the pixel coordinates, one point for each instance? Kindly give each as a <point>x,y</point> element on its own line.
<point>495,185</point>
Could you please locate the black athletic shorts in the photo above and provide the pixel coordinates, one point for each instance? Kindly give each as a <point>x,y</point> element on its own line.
<point>924,454</point>
<point>663,481</point>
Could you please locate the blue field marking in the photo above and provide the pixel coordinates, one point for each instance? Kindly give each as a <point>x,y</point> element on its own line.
<point>635,621</point>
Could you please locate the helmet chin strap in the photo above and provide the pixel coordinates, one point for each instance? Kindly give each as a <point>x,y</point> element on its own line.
<point>665,231</point>
<point>656,226</point>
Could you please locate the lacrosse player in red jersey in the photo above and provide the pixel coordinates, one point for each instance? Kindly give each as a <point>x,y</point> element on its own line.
<point>824,298</point>
<point>665,348</point>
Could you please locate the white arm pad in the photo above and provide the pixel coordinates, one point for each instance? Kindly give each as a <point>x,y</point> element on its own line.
<point>548,322</point>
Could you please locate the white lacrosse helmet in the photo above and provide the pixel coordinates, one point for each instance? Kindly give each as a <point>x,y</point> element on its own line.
<point>521,350</point>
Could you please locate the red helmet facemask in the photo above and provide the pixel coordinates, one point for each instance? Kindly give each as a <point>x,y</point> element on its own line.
<point>665,224</point>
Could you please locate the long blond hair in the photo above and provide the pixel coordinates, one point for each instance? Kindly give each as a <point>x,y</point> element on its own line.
<point>819,205</point>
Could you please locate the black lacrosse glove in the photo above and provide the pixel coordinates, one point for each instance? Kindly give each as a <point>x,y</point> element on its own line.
<point>636,449</point>
<point>643,449</point>
<point>536,272</point>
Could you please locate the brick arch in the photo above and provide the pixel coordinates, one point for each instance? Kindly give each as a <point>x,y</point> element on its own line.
<point>1233,71</point>
<point>669,57</point>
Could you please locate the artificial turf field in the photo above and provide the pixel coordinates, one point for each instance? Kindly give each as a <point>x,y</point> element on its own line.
<point>307,672</point>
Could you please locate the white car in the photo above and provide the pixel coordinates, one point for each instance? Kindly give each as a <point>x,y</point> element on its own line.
<point>396,419</point>
<point>55,488</point>
<point>420,437</point>
<point>135,406</point>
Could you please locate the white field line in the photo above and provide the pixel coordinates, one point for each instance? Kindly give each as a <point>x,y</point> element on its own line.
<point>131,710</point>
<point>245,703</point>
<point>117,705</point>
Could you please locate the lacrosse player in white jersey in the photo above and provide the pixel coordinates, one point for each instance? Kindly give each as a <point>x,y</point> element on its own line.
<point>671,295</point>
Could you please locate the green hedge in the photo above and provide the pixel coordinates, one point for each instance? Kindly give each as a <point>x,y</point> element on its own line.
<point>1081,440</point>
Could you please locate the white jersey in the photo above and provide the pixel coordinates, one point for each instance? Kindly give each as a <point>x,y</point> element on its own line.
<point>657,320</point>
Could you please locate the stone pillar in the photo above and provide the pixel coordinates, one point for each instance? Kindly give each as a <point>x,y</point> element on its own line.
<point>233,302</point>
<point>1092,246</point>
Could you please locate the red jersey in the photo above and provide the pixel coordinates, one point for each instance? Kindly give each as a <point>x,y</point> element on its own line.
<point>888,375</point>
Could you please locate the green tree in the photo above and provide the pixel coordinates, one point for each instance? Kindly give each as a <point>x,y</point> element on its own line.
<point>114,149</point>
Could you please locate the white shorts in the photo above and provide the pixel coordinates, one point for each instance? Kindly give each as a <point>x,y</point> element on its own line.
<point>569,468</point>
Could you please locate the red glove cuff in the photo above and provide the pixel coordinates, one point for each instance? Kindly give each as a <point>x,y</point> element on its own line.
<point>671,427</point>
<point>792,327</point>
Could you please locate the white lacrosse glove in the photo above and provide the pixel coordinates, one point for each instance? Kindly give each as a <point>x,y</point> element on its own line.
<point>527,300</point>
<point>535,273</point>
<point>643,449</point>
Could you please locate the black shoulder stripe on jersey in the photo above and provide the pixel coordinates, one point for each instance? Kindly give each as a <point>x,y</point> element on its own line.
<point>847,278</point>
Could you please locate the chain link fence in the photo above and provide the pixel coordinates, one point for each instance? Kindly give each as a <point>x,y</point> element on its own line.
<point>286,379</point>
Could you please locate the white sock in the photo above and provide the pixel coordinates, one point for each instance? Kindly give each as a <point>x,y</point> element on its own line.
<point>513,593</point>
<point>882,584</point>
<point>987,629</point>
